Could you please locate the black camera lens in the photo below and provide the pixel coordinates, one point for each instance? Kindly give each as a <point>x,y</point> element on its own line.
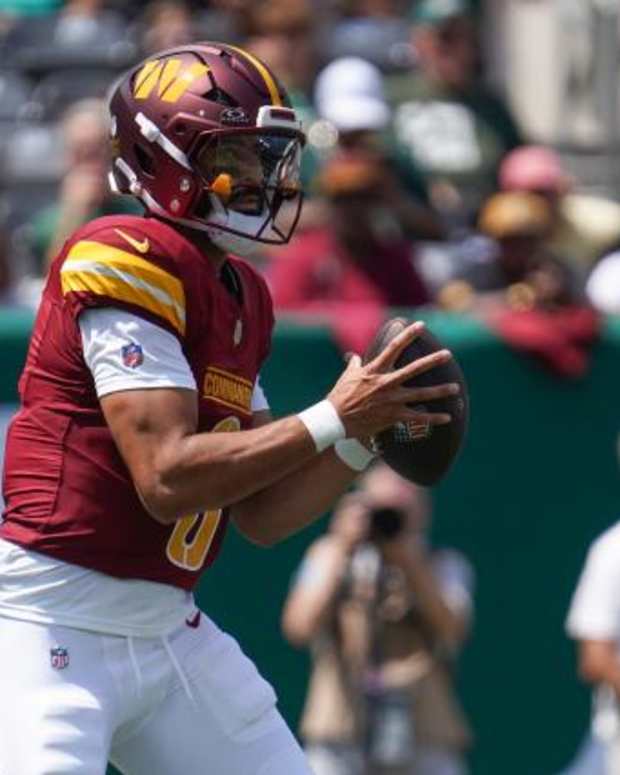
<point>386,523</point>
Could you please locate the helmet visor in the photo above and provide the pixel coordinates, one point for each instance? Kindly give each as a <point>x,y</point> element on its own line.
<point>255,174</point>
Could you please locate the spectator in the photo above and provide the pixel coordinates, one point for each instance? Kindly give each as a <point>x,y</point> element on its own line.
<point>529,296</point>
<point>356,265</point>
<point>373,30</point>
<point>583,226</point>
<point>88,22</point>
<point>594,623</point>
<point>84,191</point>
<point>82,25</point>
<point>225,20</point>
<point>349,95</point>
<point>167,23</point>
<point>512,228</point>
<point>384,616</point>
<point>281,32</point>
<point>450,125</point>
<point>519,223</point>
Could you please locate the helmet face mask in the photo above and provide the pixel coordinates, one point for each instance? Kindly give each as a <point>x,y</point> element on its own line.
<point>251,183</point>
<point>203,135</point>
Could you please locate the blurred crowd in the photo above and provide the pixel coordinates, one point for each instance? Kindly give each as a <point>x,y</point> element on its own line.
<point>421,189</point>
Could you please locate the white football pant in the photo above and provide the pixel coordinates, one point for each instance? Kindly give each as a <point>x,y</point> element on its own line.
<point>188,704</point>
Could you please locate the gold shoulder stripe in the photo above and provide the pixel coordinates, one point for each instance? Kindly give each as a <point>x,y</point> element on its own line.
<point>104,270</point>
<point>267,77</point>
<point>100,285</point>
<point>87,250</point>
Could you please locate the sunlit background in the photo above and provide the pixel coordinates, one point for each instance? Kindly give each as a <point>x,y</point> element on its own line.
<point>461,161</point>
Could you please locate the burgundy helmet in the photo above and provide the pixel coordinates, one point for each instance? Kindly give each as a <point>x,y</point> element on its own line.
<point>204,135</point>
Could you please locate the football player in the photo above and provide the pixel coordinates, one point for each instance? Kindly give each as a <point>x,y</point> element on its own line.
<point>143,430</point>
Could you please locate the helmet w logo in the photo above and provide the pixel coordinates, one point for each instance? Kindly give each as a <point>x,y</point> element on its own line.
<point>168,77</point>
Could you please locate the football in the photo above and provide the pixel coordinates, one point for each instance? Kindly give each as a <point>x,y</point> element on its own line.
<point>421,452</point>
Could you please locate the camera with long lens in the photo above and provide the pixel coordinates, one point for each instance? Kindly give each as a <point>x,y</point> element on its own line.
<point>386,523</point>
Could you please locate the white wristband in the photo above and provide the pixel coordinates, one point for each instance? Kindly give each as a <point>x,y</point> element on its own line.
<point>323,424</point>
<point>354,454</point>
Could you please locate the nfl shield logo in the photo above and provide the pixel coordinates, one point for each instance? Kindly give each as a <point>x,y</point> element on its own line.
<point>59,658</point>
<point>132,355</point>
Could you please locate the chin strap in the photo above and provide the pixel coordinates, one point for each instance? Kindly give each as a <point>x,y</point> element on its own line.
<point>238,240</point>
<point>232,243</point>
<point>153,134</point>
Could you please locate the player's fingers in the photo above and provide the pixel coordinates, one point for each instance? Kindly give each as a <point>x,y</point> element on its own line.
<point>421,365</point>
<point>431,393</point>
<point>389,355</point>
<point>353,361</point>
<point>417,418</point>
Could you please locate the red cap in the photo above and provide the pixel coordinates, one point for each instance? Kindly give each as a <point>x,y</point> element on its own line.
<point>533,168</point>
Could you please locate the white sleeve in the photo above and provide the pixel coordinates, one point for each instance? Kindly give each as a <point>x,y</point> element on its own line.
<point>595,608</point>
<point>259,399</point>
<point>125,352</point>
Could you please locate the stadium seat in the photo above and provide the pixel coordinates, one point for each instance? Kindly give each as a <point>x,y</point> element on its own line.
<point>30,171</point>
<point>15,91</point>
<point>21,202</point>
<point>384,42</point>
<point>56,91</point>
<point>33,155</point>
<point>51,43</point>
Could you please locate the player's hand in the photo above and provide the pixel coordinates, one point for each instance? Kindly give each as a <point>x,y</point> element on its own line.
<point>370,398</point>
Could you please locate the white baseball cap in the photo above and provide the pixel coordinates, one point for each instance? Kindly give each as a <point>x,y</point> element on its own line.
<point>349,94</point>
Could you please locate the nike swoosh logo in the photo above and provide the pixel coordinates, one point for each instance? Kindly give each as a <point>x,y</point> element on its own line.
<point>194,622</point>
<point>141,247</point>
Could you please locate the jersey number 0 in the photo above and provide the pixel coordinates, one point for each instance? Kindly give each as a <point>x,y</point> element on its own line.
<point>193,535</point>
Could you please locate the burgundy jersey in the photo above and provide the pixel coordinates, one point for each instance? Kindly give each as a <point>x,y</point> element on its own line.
<point>68,492</point>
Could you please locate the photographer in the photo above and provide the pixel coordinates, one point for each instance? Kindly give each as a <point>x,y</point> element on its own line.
<point>384,617</point>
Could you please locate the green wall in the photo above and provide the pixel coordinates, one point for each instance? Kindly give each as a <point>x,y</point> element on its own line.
<point>537,480</point>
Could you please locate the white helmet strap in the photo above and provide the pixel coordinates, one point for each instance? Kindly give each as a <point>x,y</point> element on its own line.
<point>151,132</point>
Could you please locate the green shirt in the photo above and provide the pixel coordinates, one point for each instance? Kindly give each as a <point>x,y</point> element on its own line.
<point>453,137</point>
<point>45,223</point>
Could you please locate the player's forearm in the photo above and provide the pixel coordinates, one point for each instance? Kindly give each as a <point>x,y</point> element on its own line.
<point>291,503</point>
<point>213,470</point>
